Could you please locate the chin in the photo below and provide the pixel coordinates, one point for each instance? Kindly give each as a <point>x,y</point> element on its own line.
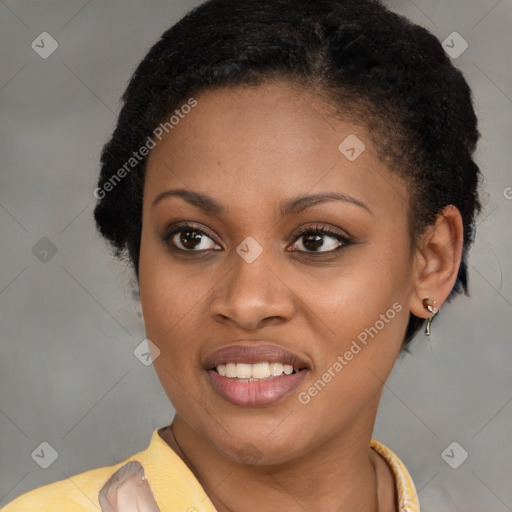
<point>261,445</point>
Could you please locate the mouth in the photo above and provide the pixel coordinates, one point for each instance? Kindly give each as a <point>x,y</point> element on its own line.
<point>254,376</point>
<point>245,372</point>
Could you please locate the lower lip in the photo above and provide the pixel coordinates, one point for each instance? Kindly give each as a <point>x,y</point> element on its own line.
<point>258,393</point>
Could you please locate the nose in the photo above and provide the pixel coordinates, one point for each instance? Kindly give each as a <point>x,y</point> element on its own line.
<point>252,295</point>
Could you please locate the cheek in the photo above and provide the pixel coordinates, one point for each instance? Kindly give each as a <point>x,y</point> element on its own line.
<point>361,314</point>
<point>170,297</point>
<point>170,304</point>
<point>353,295</point>
<point>352,364</point>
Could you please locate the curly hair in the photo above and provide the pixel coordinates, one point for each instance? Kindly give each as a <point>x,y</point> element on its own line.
<point>375,66</point>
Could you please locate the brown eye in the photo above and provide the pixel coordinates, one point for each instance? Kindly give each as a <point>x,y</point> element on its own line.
<point>320,240</point>
<point>189,239</point>
<point>192,240</point>
<point>312,242</point>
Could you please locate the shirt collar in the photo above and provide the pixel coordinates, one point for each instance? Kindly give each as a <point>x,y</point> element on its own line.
<point>172,481</point>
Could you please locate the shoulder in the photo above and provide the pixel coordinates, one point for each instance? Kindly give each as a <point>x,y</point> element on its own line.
<point>78,493</point>
<point>154,475</point>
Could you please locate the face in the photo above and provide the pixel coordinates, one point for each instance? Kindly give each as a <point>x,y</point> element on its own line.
<point>282,253</point>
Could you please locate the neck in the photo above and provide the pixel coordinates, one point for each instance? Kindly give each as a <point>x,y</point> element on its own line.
<point>341,474</point>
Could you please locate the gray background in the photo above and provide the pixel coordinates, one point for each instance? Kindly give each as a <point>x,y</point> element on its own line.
<point>70,324</point>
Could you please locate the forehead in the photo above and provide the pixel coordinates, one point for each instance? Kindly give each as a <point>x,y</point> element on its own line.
<point>256,143</point>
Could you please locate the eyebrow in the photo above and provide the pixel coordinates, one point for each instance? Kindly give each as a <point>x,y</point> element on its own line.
<point>289,207</point>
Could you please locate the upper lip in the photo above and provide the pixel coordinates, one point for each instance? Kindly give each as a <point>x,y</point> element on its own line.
<point>252,354</point>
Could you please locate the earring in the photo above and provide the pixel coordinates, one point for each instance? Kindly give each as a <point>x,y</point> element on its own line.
<point>429,306</point>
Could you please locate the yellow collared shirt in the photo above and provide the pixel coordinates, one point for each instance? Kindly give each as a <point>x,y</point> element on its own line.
<point>174,486</point>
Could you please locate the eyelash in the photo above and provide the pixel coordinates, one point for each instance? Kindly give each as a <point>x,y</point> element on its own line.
<point>345,241</point>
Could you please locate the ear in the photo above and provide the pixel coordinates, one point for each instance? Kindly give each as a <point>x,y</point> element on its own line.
<point>437,260</point>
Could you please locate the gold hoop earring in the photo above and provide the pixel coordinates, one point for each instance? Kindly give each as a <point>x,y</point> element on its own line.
<point>429,306</point>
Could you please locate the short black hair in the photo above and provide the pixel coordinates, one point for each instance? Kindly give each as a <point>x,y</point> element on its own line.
<point>356,54</point>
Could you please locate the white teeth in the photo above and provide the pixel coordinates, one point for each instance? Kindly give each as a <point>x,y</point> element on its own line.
<point>288,369</point>
<point>262,370</point>
<point>231,370</point>
<point>276,369</point>
<point>243,371</point>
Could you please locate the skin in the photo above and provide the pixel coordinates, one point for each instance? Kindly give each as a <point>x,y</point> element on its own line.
<point>251,149</point>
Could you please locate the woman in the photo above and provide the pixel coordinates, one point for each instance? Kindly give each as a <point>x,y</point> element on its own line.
<point>293,183</point>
